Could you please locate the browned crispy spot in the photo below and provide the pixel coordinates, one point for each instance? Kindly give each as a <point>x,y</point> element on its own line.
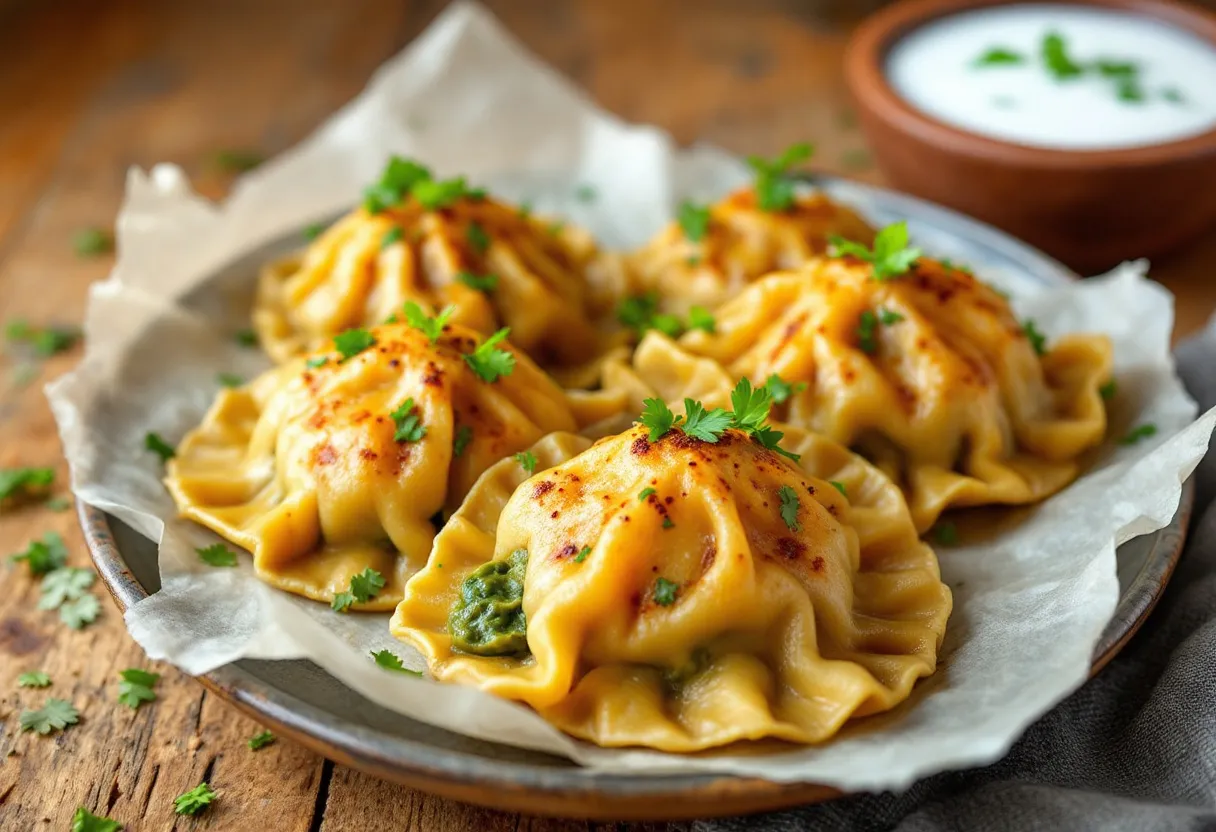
<point>640,446</point>
<point>791,548</point>
<point>817,564</point>
<point>566,551</point>
<point>325,455</point>
<point>541,489</point>
<point>368,454</point>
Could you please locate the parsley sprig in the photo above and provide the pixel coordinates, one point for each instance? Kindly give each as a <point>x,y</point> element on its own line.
<point>391,661</point>
<point>54,715</point>
<point>781,390</point>
<point>751,409</point>
<point>408,422</point>
<point>195,800</point>
<point>641,313</point>
<point>693,220</point>
<point>527,461</point>
<point>43,556</point>
<point>431,327</point>
<point>86,821</point>
<point>488,361</point>
<point>890,257</point>
<point>789,507</point>
<point>352,342</point>
<point>135,687</point>
<point>33,679</point>
<point>363,588</point>
<point>773,186</point>
<point>24,483</point>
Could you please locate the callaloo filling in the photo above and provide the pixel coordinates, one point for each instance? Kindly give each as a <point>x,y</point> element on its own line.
<point>488,620</point>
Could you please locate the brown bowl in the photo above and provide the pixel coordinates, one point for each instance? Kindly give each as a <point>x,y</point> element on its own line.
<point>1090,209</point>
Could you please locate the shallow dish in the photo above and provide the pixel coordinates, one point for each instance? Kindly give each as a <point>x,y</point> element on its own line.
<point>1091,209</point>
<point>299,700</point>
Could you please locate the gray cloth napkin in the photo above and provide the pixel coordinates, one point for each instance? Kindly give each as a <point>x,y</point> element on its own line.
<point>1134,750</point>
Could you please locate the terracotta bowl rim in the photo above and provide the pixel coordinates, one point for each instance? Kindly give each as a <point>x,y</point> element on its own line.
<point>864,68</point>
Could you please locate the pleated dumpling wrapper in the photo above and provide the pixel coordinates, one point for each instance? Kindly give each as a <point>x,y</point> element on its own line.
<point>337,462</point>
<point>711,252</point>
<point>928,374</point>
<point>437,243</point>
<point>681,594</point>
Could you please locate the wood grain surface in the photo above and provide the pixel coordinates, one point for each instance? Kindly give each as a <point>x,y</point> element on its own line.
<point>88,89</point>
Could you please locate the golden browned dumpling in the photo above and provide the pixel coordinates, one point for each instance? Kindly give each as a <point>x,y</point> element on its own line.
<point>437,244</point>
<point>927,374</point>
<point>336,463</point>
<point>709,255</point>
<point>682,594</point>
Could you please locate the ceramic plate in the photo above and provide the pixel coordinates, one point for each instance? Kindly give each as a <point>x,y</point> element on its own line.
<point>299,700</point>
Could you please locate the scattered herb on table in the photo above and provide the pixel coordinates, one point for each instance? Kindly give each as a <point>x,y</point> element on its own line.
<point>54,715</point>
<point>67,583</point>
<point>24,483</point>
<point>92,242</point>
<point>391,661</point>
<point>80,612</point>
<point>195,800</point>
<point>135,687</point>
<point>43,556</point>
<point>217,554</point>
<point>260,740</point>
<point>33,679</point>
<point>86,821</point>
<point>235,160</point>
<point>45,341</point>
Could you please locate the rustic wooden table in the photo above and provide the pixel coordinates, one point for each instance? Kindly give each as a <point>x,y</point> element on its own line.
<point>88,89</point>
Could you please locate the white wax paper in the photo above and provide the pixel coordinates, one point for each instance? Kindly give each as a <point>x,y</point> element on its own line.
<point>1030,602</point>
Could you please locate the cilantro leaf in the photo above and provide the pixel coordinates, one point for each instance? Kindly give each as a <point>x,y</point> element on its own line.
<point>482,283</point>
<point>67,583</point>
<point>1037,339</point>
<point>341,601</point>
<point>773,187</point>
<point>750,405</point>
<point>86,821</point>
<point>664,593</point>
<point>54,715</point>
<point>769,438</point>
<point>700,318</point>
<point>641,313</point>
<point>464,435</point>
<point>1107,391</point>
<point>391,661</point>
<point>999,56</point>
<point>135,687</point>
<point>431,327</point>
<point>24,482</point>
<point>194,801</point>
<point>891,255</point>
<point>91,242</point>
<point>246,337</point>
<point>704,425</point>
<point>43,556</point>
<point>409,424</point>
<point>488,361</point>
<point>789,507</point>
<point>395,183</point>
<point>478,239</point>
<point>839,486</point>
<point>526,460</point>
<point>694,221</point>
<point>158,446</point>
<point>435,194</point>
<point>393,235</point>
<point>366,584</point>
<point>33,679</point>
<point>260,740</point>
<point>946,533</point>
<point>582,554</point>
<point>45,341</point>
<point>1139,432</point>
<point>781,390</point>
<point>658,417</point>
<point>352,342</point>
<point>229,379</point>
<point>217,554</point>
<point>644,493</point>
<point>80,612</point>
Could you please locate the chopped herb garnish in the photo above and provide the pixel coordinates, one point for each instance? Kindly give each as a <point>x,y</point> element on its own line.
<point>945,534</point>
<point>488,361</point>
<point>33,679</point>
<point>363,588</point>
<point>585,193</point>
<point>949,265</point>
<point>1056,58</point>
<point>80,612</point>
<point>135,687</point>
<point>67,583</point>
<point>433,195</point>
<point>751,406</point>
<point>1107,391</point>
<point>396,182</point>
<point>700,318</point>
<point>229,380</point>
<point>86,821</point>
<point>217,554</point>
<point>92,242</point>
<point>482,282</point>
<point>1137,433</point>
<point>312,232</point>
<point>43,556</point>
<point>246,337</point>
<point>391,661</point>
<point>694,221</point>
<point>770,438</point>
<point>54,715</point>
<point>582,554</point>
<point>664,593</point>
<point>866,325</point>
<point>839,486</point>
<point>158,446</point>
<point>238,161</point>
<point>464,435</point>
<point>527,461</point>
<point>431,327</point>
<point>409,424</point>
<point>44,341</point>
<point>774,189</point>
<point>999,56</point>
<point>642,313</point>
<point>891,255</point>
<point>316,362</point>
<point>702,424</point>
<point>352,342</point>
<point>781,390</point>
<point>658,418</point>
<point>478,238</point>
<point>393,235</point>
<point>644,493</point>
<point>194,801</point>
<point>23,483</point>
<point>260,741</point>
<point>1037,339</point>
<point>789,507</point>
<point>886,317</point>
<point>667,524</point>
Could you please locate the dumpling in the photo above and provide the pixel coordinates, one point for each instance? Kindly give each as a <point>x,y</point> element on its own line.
<point>706,261</point>
<point>928,375</point>
<point>680,594</point>
<point>437,244</point>
<point>335,463</point>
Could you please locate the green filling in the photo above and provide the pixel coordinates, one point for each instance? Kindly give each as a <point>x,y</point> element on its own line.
<point>488,620</point>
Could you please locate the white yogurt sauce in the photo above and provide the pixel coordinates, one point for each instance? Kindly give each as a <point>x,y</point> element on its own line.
<point>934,69</point>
